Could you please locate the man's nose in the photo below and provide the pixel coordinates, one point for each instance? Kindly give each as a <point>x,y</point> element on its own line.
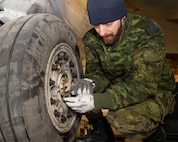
<point>102,30</point>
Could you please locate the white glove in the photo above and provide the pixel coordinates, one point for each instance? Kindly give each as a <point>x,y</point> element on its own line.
<point>83,102</point>
<point>81,84</point>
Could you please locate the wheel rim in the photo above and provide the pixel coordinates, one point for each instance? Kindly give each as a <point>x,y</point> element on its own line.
<point>61,73</point>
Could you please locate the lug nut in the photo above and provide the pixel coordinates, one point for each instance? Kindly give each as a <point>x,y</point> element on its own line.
<point>52,101</point>
<point>71,64</point>
<point>51,82</point>
<point>59,57</point>
<point>69,114</point>
<point>56,67</point>
<point>63,119</point>
<point>74,75</point>
<point>66,57</point>
<point>56,113</point>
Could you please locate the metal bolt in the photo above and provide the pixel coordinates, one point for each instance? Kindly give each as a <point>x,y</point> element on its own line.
<point>56,67</point>
<point>63,118</point>
<point>71,64</point>
<point>52,101</point>
<point>59,57</point>
<point>56,113</point>
<point>69,114</point>
<point>74,75</point>
<point>51,82</point>
<point>66,57</point>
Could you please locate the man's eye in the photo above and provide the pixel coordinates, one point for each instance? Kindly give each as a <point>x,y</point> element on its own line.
<point>109,23</point>
<point>96,26</point>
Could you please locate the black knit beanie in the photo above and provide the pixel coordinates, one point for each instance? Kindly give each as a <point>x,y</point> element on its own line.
<point>104,11</point>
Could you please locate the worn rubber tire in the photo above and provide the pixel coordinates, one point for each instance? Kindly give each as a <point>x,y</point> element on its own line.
<point>26,44</point>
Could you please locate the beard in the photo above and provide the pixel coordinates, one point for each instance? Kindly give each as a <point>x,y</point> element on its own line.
<point>111,39</point>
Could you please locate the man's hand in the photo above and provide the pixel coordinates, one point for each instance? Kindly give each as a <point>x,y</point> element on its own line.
<point>81,84</point>
<point>84,101</point>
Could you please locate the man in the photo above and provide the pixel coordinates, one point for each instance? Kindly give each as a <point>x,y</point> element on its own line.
<point>125,58</point>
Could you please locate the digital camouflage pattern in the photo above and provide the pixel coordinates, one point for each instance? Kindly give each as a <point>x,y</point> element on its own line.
<point>133,78</point>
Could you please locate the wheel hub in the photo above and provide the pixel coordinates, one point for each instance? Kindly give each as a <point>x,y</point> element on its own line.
<point>61,74</point>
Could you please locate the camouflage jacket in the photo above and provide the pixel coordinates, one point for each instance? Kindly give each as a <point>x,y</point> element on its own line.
<point>132,70</point>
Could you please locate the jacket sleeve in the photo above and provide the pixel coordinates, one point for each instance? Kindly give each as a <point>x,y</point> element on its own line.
<point>93,67</point>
